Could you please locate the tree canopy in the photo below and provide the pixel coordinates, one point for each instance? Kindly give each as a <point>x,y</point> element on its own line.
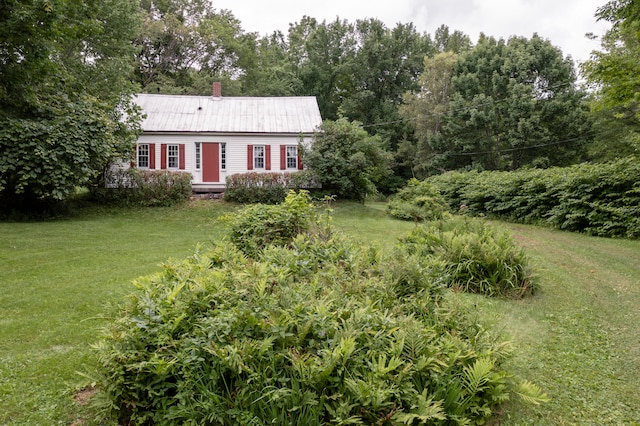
<point>500,105</point>
<point>614,73</point>
<point>65,87</point>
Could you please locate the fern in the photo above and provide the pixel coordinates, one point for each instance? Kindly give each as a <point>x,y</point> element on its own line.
<point>530,393</point>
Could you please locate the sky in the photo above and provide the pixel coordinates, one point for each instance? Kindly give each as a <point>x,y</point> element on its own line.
<point>563,22</point>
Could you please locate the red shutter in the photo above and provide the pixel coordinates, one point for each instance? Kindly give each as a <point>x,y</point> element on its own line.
<point>249,157</point>
<point>181,156</point>
<point>152,156</point>
<point>134,160</point>
<point>283,157</point>
<point>267,153</point>
<point>163,156</point>
<point>300,165</point>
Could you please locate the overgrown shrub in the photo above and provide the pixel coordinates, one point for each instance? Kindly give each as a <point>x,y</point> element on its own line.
<point>470,255</point>
<point>599,199</point>
<point>418,201</point>
<point>306,335</point>
<point>260,225</point>
<point>265,188</point>
<point>136,187</point>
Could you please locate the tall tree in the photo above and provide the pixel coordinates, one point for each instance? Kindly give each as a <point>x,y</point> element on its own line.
<point>514,103</point>
<point>184,43</point>
<point>424,110</point>
<point>615,73</point>
<point>387,64</point>
<point>323,57</point>
<point>65,109</point>
<point>446,41</point>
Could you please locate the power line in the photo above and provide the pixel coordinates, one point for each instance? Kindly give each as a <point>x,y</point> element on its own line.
<point>467,108</point>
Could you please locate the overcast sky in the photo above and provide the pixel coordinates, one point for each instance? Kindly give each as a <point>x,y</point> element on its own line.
<point>563,22</point>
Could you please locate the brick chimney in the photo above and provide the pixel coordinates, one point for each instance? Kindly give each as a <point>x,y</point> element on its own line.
<point>216,89</point>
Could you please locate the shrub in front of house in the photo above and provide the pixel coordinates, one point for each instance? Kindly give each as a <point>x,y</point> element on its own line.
<point>265,188</point>
<point>318,331</point>
<point>147,188</point>
<point>469,255</point>
<point>418,201</point>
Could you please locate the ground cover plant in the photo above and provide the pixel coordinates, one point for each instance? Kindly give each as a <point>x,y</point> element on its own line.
<point>310,329</point>
<point>575,337</point>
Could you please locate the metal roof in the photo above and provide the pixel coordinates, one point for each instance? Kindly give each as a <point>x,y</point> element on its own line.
<point>181,113</point>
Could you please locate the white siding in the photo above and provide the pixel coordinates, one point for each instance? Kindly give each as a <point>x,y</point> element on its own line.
<point>236,150</point>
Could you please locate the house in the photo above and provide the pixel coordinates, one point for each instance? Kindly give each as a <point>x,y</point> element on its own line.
<point>213,137</point>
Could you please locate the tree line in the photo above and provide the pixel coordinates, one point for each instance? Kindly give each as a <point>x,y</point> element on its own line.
<point>427,103</point>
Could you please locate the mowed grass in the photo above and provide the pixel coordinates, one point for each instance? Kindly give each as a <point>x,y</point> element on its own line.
<point>56,278</point>
<point>579,339</point>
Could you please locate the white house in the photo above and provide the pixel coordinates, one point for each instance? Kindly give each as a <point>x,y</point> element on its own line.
<point>213,137</point>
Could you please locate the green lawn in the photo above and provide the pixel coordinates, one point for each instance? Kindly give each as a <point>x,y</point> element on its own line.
<point>578,338</point>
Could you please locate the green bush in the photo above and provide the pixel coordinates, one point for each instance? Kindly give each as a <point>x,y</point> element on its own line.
<point>321,332</point>
<point>265,188</point>
<point>260,225</point>
<point>135,187</point>
<point>469,255</point>
<point>418,201</point>
<point>599,199</point>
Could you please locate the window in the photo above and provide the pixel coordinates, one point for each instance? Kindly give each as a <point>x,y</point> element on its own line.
<point>223,156</point>
<point>197,155</point>
<point>292,157</point>
<point>258,156</point>
<point>173,156</point>
<point>143,156</point>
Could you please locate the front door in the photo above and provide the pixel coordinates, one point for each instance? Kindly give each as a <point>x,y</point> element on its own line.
<point>210,162</point>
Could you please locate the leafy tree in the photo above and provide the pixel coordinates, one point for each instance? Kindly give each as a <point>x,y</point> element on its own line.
<point>323,56</point>
<point>183,43</point>
<point>514,103</point>
<point>424,110</point>
<point>273,74</point>
<point>615,73</point>
<point>456,42</point>
<point>347,161</point>
<point>387,64</point>
<point>65,110</point>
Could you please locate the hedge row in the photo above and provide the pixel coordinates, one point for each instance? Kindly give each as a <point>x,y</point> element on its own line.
<point>598,199</point>
<point>135,187</point>
<point>266,188</point>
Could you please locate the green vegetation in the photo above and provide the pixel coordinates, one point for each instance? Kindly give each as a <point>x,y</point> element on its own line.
<point>143,188</point>
<point>265,187</point>
<point>418,201</point>
<point>469,255</point>
<point>599,199</point>
<point>260,225</point>
<point>575,338</point>
<point>320,330</point>
<point>347,161</point>
<point>65,92</point>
